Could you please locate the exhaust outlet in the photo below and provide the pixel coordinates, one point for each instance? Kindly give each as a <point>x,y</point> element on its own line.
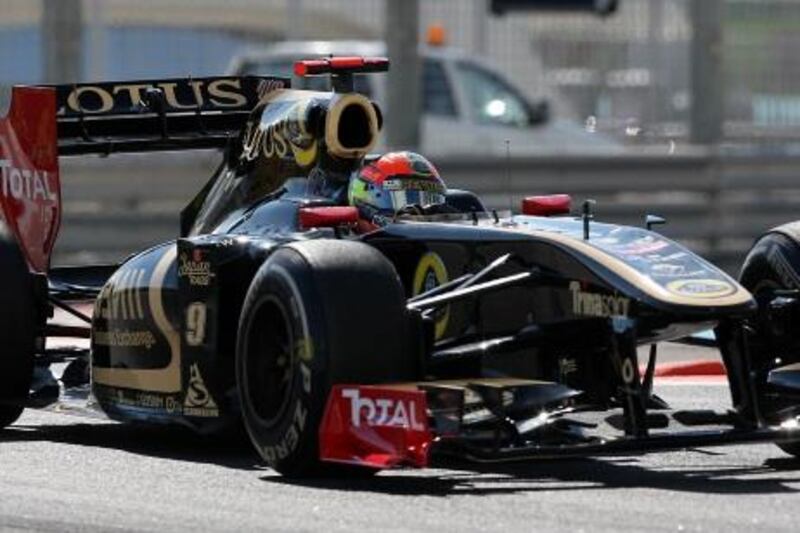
<point>351,126</point>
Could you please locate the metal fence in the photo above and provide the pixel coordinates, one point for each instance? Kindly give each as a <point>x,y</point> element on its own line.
<point>715,205</point>
<point>627,73</point>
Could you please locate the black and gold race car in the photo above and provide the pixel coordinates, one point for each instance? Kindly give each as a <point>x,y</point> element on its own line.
<point>489,336</point>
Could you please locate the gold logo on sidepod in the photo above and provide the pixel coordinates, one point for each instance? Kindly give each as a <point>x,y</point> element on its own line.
<point>431,273</point>
<point>701,288</point>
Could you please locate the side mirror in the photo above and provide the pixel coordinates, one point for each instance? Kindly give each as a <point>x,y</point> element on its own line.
<point>546,206</point>
<point>327,217</point>
<point>539,113</point>
<point>653,220</point>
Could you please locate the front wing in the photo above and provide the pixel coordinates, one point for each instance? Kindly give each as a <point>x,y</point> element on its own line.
<point>500,420</point>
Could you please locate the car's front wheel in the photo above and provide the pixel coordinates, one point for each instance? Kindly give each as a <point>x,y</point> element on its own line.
<point>316,314</point>
<point>773,266</point>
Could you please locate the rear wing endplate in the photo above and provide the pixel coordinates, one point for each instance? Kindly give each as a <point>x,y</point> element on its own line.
<point>40,123</point>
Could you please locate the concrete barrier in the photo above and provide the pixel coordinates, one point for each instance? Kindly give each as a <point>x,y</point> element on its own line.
<point>716,205</point>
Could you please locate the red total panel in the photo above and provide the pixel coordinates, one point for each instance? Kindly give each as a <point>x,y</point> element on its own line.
<point>30,190</point>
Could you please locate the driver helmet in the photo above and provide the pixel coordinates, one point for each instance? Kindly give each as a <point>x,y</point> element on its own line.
<point>395,181</point>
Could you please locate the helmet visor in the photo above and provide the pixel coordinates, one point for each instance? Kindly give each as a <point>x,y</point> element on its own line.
<point>404,190</point>
<point>401,199</point>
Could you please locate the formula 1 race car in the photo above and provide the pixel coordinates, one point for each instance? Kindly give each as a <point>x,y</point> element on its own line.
<point>343,346</point>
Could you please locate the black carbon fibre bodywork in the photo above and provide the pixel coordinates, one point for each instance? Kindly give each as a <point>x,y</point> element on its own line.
<point>499,327</point>
<point>172,312</point>
<point>564,300</point>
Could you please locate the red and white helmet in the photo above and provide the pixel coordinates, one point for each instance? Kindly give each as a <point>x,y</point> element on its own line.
<point>394,181</point>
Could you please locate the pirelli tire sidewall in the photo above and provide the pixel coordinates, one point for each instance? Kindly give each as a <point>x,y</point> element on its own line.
<point>17,327</point>
<point>773,263</point>
<point>344,299</point>
<point>773,260</point>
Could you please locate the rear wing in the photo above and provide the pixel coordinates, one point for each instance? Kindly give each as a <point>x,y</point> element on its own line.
<point>151,115</point>
<point>38,124</point>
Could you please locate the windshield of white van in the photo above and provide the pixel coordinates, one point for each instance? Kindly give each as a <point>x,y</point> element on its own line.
<point>492,100</point>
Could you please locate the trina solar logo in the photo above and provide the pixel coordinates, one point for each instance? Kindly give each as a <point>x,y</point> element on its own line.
<point>599,305</point>
<point>24,184</point>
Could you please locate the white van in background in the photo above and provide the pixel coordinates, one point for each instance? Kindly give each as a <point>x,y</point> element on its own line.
<point>467,106</point>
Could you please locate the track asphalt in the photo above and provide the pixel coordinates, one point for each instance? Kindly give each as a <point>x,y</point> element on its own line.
<point>60,474</point>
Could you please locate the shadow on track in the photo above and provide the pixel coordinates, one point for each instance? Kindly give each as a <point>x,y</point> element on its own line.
<point>232,449</point>
<point>566,474</point>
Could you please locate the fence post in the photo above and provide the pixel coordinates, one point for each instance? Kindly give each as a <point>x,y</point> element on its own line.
<point>480,30</point>
<point>295,15</point>
<point>62,40</point>
<point>403,88</point>
<point>707,102</point>
<point>706,72</point>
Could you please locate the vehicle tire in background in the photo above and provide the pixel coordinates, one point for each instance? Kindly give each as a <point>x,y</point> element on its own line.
<point>774,264</point>
<point>317,313</point>
<point>17,328</point>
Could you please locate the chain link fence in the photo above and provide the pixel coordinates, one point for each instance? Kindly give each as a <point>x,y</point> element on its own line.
<point>627,73</point>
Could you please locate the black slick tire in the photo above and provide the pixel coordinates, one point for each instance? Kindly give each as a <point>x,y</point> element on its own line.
<point>317,313</point>
<point>17,329</point>
<point>772,264</point>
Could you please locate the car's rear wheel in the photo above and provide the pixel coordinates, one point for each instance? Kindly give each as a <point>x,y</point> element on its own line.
<point>773,264</point>
<point>17,329</point>
<point>317,313</point>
